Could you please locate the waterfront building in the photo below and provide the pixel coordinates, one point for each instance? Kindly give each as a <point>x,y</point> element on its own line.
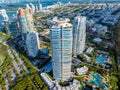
<point>40,6</point>
<point>6,20</point>
<point>61,43</point>
<point>13,27</point>
<point>32,43</point>
<point>31,7</point>
<point>25,21</point>
<point>28,33</point>
<point>79,35</point>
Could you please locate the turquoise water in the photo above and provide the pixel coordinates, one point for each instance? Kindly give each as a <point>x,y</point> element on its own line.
<point>101,59</point>
<point>96,79</point>
<point>12,12</point>
<point>1,39</point>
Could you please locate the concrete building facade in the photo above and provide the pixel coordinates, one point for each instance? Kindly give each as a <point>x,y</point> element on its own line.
<point>61,43</point>
<point>79,35</point>
<point>28,33</point>
<point>32,43</point>
<point>25,20</point>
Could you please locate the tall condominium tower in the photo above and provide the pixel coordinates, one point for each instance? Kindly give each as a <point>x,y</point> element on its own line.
<point>11,26</point>
<point>40,6</point>
<point>28,31</point>
<point>25,20</point>
<point>32,42</point>
<point>61,43</point>
<point>79,35</point>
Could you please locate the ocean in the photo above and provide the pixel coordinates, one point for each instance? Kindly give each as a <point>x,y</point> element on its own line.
<point>12,9</point>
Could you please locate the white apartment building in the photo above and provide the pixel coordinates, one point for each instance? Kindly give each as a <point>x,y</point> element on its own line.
<point>61,43</point>
<point>79,35</point>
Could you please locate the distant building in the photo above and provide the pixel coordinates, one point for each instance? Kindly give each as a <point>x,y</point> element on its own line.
<point>61,42</point>
<point>32,43</point>
<point>31,7</point>
<point>25,21</point>
<point>79,35</point>
<point>97,40</point>
<point>40,6</point>
<point>13,27</point>
<point>6,20</point>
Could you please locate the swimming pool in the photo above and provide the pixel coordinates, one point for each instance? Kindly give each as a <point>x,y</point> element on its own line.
<point>97,80</point>
<point>101,59</point>
<point>1,39</point>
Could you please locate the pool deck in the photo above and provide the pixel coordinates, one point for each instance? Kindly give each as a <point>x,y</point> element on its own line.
<point>97,79</point>
<point>101,59</point>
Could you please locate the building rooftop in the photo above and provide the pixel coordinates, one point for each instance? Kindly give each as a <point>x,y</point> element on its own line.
<point>61,22</point>
<point>63,25</point>
<point>47,79</point>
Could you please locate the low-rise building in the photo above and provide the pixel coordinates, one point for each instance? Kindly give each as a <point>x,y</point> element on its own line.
<point>47,80</point>
<point>88,59</point>
<point>89,50</point>
<point>82,70</point>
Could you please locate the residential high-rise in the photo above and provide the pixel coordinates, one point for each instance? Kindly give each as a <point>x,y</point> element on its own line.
<point>32,43</point>
<point>40,6</point>
<point>28,31</point>
<point>6,20</point>
<point>61,43</point>
<point>25,20</point>
<point>79,35</point>
<point>31,7</point>
<point>13,27</point>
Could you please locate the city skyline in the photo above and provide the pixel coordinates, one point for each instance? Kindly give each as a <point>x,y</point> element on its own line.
<point>55,45</point>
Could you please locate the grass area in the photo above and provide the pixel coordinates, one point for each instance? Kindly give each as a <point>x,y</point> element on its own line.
<point>7,64</point>
<point>28,64</point>
<point>32,82</point>
<point>6,60</point>
<point>113,82</point>
<point>24,84</point>
<point>80,79</point>
<point>5,36</point>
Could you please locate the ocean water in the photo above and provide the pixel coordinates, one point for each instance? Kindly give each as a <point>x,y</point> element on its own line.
<point>14,8</point>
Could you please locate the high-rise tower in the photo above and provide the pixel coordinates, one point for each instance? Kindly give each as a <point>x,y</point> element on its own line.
<point>28,31</point>
<point>79,35</point>
<point>25,20</point>
<point>40,6</point>
<point>32,43</point>
<point>61,43</point>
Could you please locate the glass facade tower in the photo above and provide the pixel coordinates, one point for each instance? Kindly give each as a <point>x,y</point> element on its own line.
<point>61,42</point>
<point>79,35</point>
